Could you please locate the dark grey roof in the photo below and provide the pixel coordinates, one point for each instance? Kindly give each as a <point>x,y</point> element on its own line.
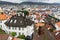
<point>18,21</point>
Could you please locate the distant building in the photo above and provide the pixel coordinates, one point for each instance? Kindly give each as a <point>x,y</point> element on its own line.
<point>57,25</point>
<point>3,19</point>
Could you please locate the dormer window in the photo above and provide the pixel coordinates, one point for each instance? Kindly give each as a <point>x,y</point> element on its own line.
<point>15,21</point>
<point>11,21</point>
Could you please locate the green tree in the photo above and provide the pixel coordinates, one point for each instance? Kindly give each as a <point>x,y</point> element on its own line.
<point>25,12</point>
<point>2,31</point>
<point>21,36</point>
<point>13,34</point>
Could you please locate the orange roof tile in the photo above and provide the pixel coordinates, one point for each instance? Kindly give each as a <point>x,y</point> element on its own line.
<point>48,26</point>
<point>58,23</point>
<point>16,39</point>
<point>39,24</point>
<point>4,16</point>
<point>37,16</point>
<point>8,17</point>
<point>4,36</point>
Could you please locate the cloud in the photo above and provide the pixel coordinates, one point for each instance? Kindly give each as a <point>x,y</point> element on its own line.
<point>14,1</point>
<point>47,1</point>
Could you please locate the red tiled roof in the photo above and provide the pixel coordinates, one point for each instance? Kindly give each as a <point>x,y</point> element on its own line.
<point>58,23</point>
<point>57,36</point>
<point>48,26</point>
<point>16,39</point>
<point>4,36</point>
<point>39,24</point>
<point>4,16</point>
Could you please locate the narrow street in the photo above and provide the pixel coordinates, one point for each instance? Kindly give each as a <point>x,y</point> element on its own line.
<point>46,36</point>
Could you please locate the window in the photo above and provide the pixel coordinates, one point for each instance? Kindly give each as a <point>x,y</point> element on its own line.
<point>19,28</point>
<point>9,27</point>
<point>22,33</point>
<point>13,28</point>
<point>19,33</point>
<point>15,21</point>
<point>11,21</point>
<point>22,28</point>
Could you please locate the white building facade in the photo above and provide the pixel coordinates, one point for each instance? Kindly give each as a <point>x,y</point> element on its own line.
<point>26,31</point>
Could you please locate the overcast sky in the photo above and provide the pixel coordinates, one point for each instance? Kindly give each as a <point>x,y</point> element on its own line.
<point>47,1</point>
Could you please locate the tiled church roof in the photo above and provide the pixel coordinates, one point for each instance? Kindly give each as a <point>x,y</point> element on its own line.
<point>18,21</point>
